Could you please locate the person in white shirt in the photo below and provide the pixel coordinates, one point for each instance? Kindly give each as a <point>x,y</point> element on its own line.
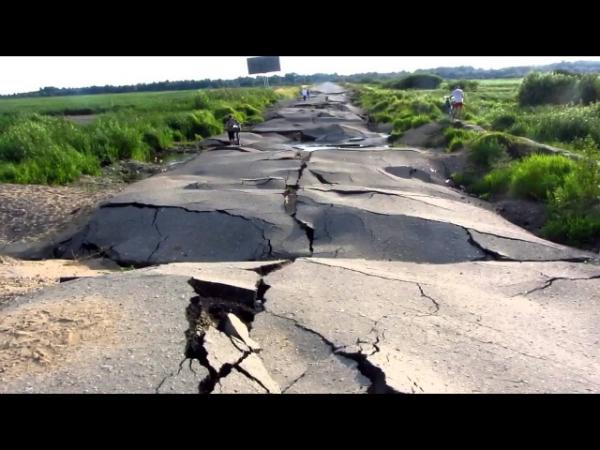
<point>304,93</point>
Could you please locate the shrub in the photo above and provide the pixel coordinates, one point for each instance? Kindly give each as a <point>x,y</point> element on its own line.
<point>465,85</point>
<point>547,88</point>
<point>559,88</point>
<point>401,125</point>
<point>572,229</point>
<point>488,149</point>
<point>496,182</point>
<point>381,106</point>
<point>457,137</point>
<point>580,191</point>
<point>503,121</point>
<point>205,124</point>
<point>538,176</point>
<point>201,101</point>
<point>589,88</point>
<point>419,120</point>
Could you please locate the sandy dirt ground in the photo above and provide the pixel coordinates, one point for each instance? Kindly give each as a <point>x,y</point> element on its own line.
<point>18,277</point>
<point>33,212</point>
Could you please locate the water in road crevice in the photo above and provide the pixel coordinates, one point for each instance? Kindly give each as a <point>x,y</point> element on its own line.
<point>312,146</point>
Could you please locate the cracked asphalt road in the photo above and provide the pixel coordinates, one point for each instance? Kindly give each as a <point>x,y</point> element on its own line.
<point>333,264</point>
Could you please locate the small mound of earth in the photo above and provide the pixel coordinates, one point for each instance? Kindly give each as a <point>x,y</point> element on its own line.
<point>428,135</point>
<point>33,212</point>
<point>18,277</point>
<point>524,213</point>
<point>35,337</point>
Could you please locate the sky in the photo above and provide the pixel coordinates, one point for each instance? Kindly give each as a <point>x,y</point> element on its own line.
<point>27,73</point>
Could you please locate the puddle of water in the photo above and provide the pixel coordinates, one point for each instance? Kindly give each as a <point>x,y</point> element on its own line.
<point>312,148</point>
<point>309,147</point>
<point>173,159</point>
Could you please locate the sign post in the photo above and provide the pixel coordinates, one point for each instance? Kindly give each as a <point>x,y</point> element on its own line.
<point>264,64</point>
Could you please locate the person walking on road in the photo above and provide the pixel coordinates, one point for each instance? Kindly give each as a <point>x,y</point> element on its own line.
<point>233,130</point>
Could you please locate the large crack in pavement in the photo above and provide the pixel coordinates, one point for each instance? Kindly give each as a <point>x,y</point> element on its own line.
<point>210,309</point>
<point>365,367</point>
<point>211,312</point>
<point>291,199</point>
<point>550,281</point>
<point>162,238</point>
<point>419,285</point>
<point>489,254</point>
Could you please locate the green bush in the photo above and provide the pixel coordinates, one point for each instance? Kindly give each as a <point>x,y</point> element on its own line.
<point>202,101</point>
<point>419,120</point>
<point>466,178</point>
<point>589,89</point>
<point>559,89</point>
<point>488,149</point>
<point>24,140</point>
<point>547,88</point>
<point>395,135</point>
<point>575,204</point>
<point>580,191</point>
<point>58,165</point>
<point>465,85</point>
<point>158,138</point>
<point>538,176</point>
<point>250,110</point>
<point>253,120</point>
<point>567,124</point>
<point>503,121</point>
<point>205,124</point>
<point>113,140</point>
<point>382,118</point>
<point>572,229</point>
<point>380,106</point>
<point>496,182</point>
<point>457,138</point>
<point>419,106</point>
<point>223,112</point>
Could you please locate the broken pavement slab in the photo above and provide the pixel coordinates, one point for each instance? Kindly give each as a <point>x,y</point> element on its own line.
<point>451,327</point>
<point>235,327</point>
<point>140,339</point>
<point>330,326</point>
<point>117,333</point>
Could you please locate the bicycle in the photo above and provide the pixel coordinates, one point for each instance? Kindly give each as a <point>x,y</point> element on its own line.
<point>455,112</point>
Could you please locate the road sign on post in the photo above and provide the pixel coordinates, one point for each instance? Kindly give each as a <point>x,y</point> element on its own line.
<point>264,64</point>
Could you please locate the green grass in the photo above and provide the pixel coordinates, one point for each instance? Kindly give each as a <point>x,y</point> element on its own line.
<point>457,138</point>
<point>36,147</point>
<point>535,177</point>
<point>500,162</point>
<point>488,149</point>
<point>404,110</point>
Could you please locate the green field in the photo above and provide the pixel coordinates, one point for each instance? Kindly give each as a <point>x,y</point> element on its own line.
<point>173,100</point>
<point>38,144</point>
<point>556,109</point>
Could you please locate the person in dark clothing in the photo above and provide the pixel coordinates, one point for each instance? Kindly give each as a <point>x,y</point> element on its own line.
<point>233,130</point>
